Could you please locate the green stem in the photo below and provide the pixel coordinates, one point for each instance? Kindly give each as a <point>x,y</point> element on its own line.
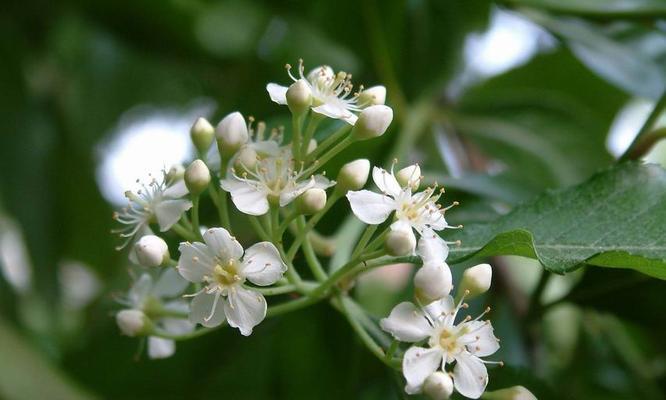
<point>342,272</point>
<point>273,226</point>
<point>183,232</point>
<point>363,241</point>
<point>368,341</point>
<point>534,308</point>
<point>314,121</point>
<point>646,128</point>
<point>344,143</point>
<point>329,141</point>
<point>310,256</point>
<point>195,216</point>
<point>296,122</point>
<point>311,224</point>
<point>258,229</point>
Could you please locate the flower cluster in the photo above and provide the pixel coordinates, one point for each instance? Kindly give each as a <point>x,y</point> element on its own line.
<point>276,181</point>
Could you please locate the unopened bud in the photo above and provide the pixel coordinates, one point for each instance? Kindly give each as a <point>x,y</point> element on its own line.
<point>511,393</point>
<point>372,96</point>
<point>299,97</point>
<point>438,386</point>
<point>400,243</point>
<point>133,322</point>
<point>231,133</point>
<point>353,175</point>
<point>175,174</point>
<point>246,159</point>
<point>202,134</point>
<point>197,177</point>
<point>409,176</point>
<point>312,201</point>
<point>432,282</point>
<point>151,251</point>
<point>372,122</point>
<point>476,280</point>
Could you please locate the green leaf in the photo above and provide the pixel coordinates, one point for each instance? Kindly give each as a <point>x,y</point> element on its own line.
<point>624,66</point>
<point>606,8</point>
<point>615,219</point>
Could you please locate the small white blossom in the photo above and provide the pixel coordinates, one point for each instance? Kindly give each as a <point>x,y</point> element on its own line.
<point>463,343</point>
<point>160,202</point>
<point>156,301</point>
<point>418,211</point>
<point>274,177</point>
<point>332,94</point>
<point>221,266</point>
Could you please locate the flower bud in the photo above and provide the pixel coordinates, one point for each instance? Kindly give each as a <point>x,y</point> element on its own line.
<point>438,386</point>
<point>299,97</point>
<point>511,393</point>
<point>197,177</point>
<point>409,176</point>
<point>133,322</point>
<point>231,133</point>
<point>432,282</point>
<point>312,201</point>
<point>246,159</point>
<point>175,174</point>
<point>151,251</point>
<point>353,175</point>
<point>372,96</point>
<point>476,280</point>
<point>202,134</point>
<point>400,243</point>
<point>372,122</point>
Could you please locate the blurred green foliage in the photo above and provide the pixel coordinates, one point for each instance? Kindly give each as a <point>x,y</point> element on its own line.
<point>71,69</point>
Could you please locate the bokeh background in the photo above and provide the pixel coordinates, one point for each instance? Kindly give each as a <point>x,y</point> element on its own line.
<point>498,100</point>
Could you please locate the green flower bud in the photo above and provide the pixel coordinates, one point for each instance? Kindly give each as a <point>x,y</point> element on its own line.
<point>372,122</point>
<point>197,177</point>
<point>202,134</point>
<point>299,97</point>
<point>231,133</point>
<point>353,175</point>
<point>312,201</point>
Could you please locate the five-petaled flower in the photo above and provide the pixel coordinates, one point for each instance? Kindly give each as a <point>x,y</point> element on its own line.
<point>273,178</point>
<point>332,93</point>
<point>418,211</point>
<point>160,202</point>
<point>463,343</point>
<point>221,266</point>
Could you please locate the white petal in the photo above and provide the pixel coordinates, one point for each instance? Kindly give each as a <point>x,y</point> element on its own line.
<point>247,198</point>
<point>203,306</point>
<point>222,244</point>
<point>481,340</point>
<point>370,207</point>
<point>292,191</point>
<point>177,190</point>
<point>322,182</point>
<point>406,323</point>
<point>386,182</point>
<point>168,212</point>
<point>277,92</point>
<point>333,110</point>
<point>170,284</point>
<point>245,309</point>
<point>470,376</point>
<point>431,248</point>
<point>262,264</point>
<point>177,326</point>
<point>418,363</point>
<point>442,309</point>
<point>195,261</point>
<point>160,348</point>
<point>351,119</point>
<point>140,290</point>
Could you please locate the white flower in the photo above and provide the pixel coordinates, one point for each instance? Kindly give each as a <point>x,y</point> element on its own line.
<point>463,344</point>
<point>159,202</point>
<point>419,211</point>
<point>332,94</point>
<point>158,300</point>
<point>274,178</point>
<point>218,265</point>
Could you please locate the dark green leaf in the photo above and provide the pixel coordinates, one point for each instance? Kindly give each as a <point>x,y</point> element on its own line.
<point>615,219</point>
<point>605,8</point>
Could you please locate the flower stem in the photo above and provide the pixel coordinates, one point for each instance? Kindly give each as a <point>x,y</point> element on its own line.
<point>631,152</point>
<point>363,241</point>
<point>258,229</point>
<point>195,216</point>
<point>314,121</point>
<point>273,223</point>
<point>296,122</point>
<point>310,256</point>
<point>337,135</point>
<point>341,273</point>
<point>311,224</point>
<point>183,232</point>
<point>318,163</point>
